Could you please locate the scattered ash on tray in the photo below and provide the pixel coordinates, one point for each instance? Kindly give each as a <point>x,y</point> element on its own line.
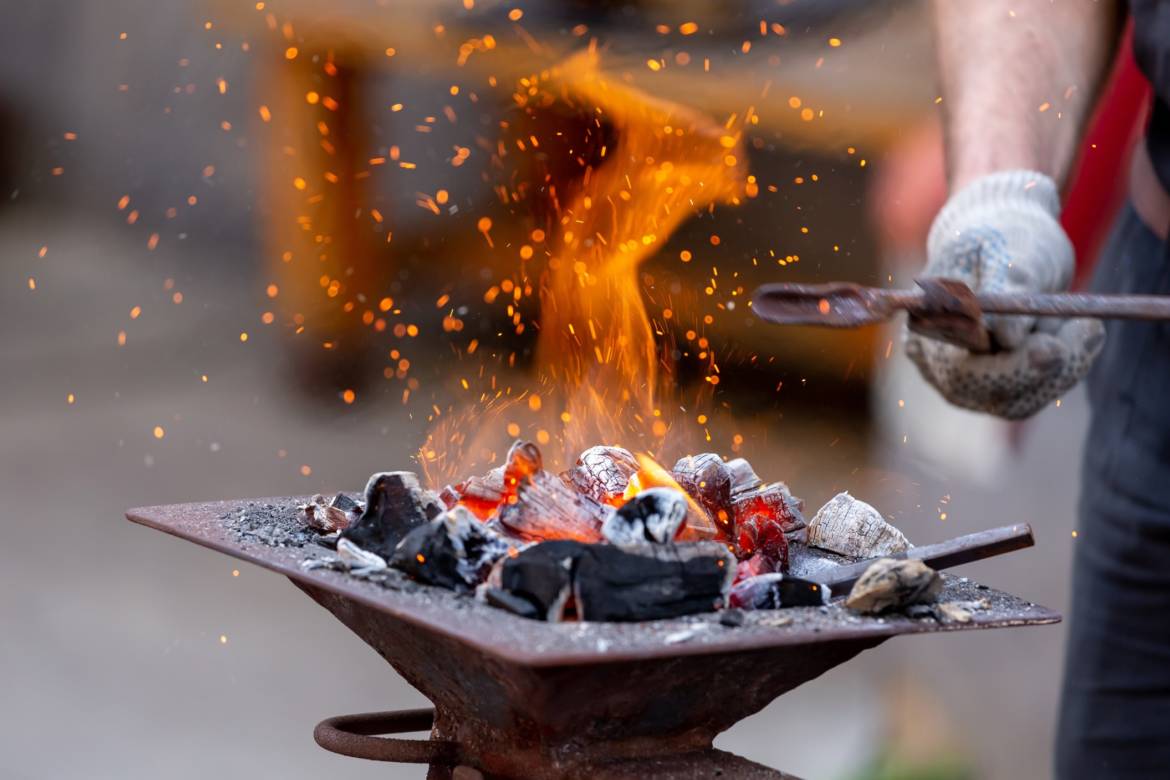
<point>698,630</point>
<point>984,604</point>
<point>275,525</point>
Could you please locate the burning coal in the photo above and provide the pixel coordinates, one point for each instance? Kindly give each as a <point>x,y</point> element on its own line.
<point>615,537</point>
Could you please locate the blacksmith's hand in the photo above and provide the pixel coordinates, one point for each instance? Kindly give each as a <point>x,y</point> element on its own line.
<point>1001,233</point>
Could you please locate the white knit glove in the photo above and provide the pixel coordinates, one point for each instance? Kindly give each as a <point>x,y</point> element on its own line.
<point>1001,233</point>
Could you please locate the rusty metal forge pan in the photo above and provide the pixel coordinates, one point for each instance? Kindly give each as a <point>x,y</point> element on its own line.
<point>522,698</point>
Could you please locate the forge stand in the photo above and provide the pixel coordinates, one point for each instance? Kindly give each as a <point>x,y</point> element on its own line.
<point>351,735</point>
<point>577,717</point>
<point>516,698</point>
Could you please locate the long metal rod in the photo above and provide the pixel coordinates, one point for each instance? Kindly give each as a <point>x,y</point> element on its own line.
<point>1127,307</point>
<point>846,305</point>
<point>953,552</point>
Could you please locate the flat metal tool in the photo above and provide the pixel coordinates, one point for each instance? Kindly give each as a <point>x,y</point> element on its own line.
<point>945,309</point>
<point>953,552</point>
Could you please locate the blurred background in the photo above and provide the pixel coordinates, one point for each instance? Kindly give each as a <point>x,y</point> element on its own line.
<point>246,248</point>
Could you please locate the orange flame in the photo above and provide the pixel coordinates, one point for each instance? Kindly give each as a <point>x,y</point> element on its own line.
<point>603,377</point>
<point>651,474</point>
<point>596,341</point>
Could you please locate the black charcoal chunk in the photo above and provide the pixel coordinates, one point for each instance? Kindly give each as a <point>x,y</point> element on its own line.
<point>455,550</point>
<point>921,611</point>
<point>344,503</point>
<point>328,541</point>
<point>732,618</point>
<point>776,590</point>
<point>395,504</point>
<point>654,515</point>
<point>543,575</point>
<point>652,582</point>
<point>517,605</point>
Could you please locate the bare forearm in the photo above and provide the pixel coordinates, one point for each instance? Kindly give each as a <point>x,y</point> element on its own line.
<point>1019,78</point>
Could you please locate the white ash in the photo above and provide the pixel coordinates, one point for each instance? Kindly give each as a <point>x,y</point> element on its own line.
<point>269,524</point>
<point>357,558</point>
<point>849,526</point>
<point>685,635</point>
<point>654,515</point>
<point>602,472</point>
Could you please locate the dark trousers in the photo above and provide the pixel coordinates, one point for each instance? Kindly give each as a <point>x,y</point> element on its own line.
<point>1115,708</point>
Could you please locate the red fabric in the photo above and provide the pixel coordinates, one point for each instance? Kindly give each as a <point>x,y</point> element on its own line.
<point>1097,187</point>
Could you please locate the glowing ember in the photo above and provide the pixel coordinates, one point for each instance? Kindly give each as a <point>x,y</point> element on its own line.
<point>525,500</point>
<point>563,545</point>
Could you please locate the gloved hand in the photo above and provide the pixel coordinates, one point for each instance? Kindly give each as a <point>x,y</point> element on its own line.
<point>1000,233</point>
